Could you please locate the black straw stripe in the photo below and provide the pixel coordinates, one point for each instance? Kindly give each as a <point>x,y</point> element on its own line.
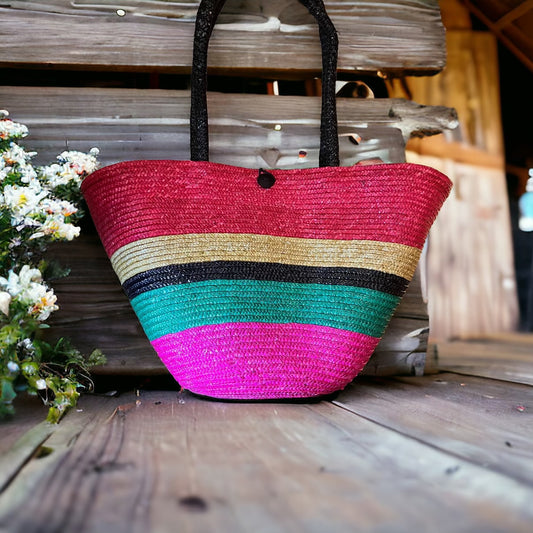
<point>237,270</point>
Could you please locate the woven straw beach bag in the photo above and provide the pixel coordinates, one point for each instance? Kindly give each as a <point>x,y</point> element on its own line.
<point>264,285</point>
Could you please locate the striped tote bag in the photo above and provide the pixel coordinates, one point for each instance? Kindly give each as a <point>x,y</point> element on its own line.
<point>255,284</point>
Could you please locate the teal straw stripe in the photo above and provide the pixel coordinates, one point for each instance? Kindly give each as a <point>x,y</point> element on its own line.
<point>179,307</point>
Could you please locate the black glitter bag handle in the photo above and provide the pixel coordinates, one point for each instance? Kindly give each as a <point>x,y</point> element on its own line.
<point>208,12</point>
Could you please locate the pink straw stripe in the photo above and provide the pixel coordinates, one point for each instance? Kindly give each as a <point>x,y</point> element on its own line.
<point>264,361</point>
<point>141,199</point>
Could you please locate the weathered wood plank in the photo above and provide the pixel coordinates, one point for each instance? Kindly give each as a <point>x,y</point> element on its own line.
<point>153,124</point>
<point>30,411</point>
<point>487,422</point>
<point>163,461</point>
<point>471,273</point>
<point>14,458</point>
<point>508,361</point>
<point>262,37</point>
<point>471,276</point>
<point>29,459</point>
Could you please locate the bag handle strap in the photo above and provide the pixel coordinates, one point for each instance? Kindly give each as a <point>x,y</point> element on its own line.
<point>208,12</point>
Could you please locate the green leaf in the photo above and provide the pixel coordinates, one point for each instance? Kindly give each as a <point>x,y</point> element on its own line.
<point>96,358</point>
<point>7,392</point>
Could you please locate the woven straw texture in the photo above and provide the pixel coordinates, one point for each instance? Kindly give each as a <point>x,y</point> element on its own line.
<point>253,293</point>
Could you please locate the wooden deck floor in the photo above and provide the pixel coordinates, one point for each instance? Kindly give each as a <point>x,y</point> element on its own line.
<point>448,452</point>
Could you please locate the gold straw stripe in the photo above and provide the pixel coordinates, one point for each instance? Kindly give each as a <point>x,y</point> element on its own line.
<point>155,252</point>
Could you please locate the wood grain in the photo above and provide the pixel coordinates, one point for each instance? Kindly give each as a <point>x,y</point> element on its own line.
<point>255,37</point>
<point>506,360</point>
<point>161,461</point>
<point>29,411</point>
<point>21,435</point>
<point>477,419</point>
<point>153,124</point>
<point>471,273</point>
<point>22,450</point>
<point>35,455</point>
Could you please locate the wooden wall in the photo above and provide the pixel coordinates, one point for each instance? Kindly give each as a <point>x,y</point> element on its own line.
<point>471,278</point>
<point>511,22</point>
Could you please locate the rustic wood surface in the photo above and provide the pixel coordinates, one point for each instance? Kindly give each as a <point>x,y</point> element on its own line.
<point>444,453</point>
<point>490,358</point>
<point>478,419</point>
<point>255,36</point>
<point>471,272</point>
<point>30,411</point>
<point>153,124</point>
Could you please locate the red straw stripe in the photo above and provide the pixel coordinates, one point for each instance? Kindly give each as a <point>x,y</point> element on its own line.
<point>264,361</point>
<point>140,199</point>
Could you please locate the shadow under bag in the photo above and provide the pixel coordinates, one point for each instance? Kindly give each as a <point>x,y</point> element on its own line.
<point>264,285</point>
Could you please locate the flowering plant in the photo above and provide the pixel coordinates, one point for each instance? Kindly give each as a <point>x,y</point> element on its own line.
<point>38,205</point>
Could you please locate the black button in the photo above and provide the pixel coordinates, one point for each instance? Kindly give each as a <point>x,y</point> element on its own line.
<point>265,179</point>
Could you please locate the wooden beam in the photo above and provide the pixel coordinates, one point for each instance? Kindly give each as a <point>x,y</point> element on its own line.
<point>509,17</point>
<point>153,124</point>
<point>524,58</point>
<point>263,38</point>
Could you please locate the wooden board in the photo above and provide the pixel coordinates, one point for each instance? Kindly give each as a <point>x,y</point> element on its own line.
<point>487,422</point>
<point>162,461</point>
<point>256,37</point>
<point>503,359</point>
<point>153,124</point>
<point>471,276</point>
<point>22,451</point>
<point>470,84</point>
<point>29,412</point>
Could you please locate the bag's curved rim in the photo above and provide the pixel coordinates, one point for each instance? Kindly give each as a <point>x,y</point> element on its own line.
<point>360,169</point>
